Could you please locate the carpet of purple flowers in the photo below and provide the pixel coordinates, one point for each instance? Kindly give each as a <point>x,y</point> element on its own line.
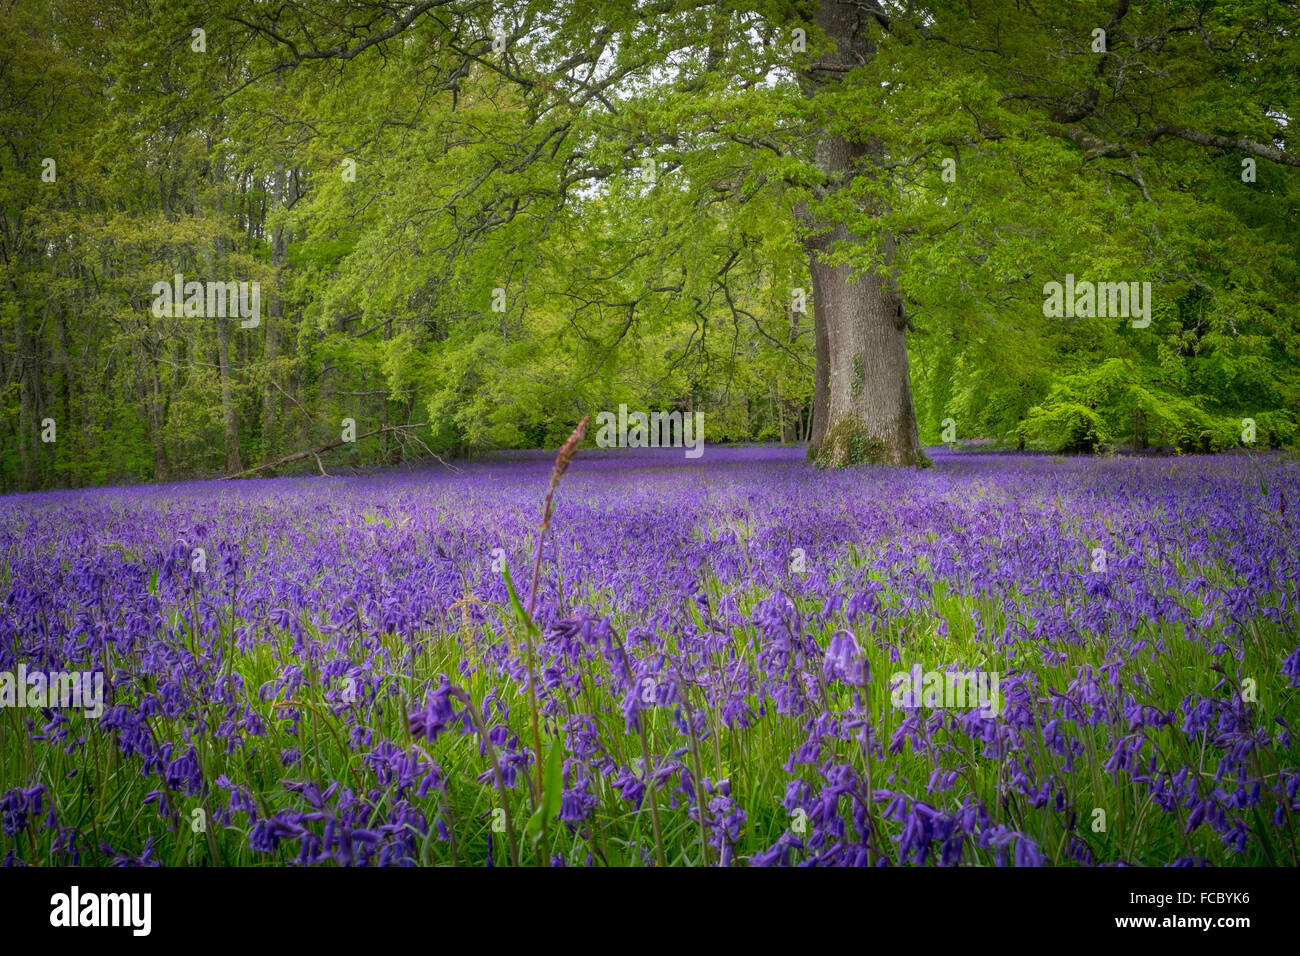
<point>344,675</point>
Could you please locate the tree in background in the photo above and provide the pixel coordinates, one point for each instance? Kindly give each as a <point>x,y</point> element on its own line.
<point>830,221</point>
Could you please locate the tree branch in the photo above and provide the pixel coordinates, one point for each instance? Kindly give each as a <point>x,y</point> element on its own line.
<point>1227,142</point>
<point>329,446</point>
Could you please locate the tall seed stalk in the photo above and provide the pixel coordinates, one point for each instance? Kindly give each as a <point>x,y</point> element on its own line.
<point>562,461</point>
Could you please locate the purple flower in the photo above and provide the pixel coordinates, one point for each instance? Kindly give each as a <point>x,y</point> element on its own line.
<point>845,662</point>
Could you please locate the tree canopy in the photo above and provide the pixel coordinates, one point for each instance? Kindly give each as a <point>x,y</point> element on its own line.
<point>487,221</point>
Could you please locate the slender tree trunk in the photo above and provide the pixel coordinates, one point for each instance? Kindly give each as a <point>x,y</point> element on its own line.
<point>822,384</point>
<point>156,417</point>
<point>71,433</point>
<point>867,415</point>
<point>28,441</point>
<point>229,413</point>
<point>272,401</point>
<point>790,412</point>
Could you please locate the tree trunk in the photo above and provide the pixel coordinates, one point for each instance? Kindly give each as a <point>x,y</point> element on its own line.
<point>217,257</point>
<point>789,416</point>
<point>157,421</point>
<point>867,415</point>
<point>28,425</point>
<point>789,411</point>
<point>272,402</point>
<point>71,434</point>
<point>822,383</point>
<point>229,414</point>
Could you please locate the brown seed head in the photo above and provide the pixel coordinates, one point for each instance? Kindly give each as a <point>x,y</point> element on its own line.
<point>568,451</point>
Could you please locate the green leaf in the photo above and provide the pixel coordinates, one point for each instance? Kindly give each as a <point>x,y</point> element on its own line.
<point>515,603</point>
<point>553,781</point>
<point>552,788</point>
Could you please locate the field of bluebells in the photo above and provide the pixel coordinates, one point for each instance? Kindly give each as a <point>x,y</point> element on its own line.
<point>353,676</point>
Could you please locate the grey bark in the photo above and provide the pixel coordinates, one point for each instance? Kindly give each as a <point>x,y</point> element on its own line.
<point>862,361</point>
<point>272,401</point>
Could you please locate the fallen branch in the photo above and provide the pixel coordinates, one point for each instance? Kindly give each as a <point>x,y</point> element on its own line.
<point>330,446</point>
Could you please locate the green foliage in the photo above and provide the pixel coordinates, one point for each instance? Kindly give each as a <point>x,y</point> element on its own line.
<point>382,199</point>
<point>1120,402</point>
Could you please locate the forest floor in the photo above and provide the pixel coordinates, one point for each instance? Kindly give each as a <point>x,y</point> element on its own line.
<point>735,659</point>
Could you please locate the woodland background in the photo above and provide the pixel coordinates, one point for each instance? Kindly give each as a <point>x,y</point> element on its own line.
<point>528,168</point>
